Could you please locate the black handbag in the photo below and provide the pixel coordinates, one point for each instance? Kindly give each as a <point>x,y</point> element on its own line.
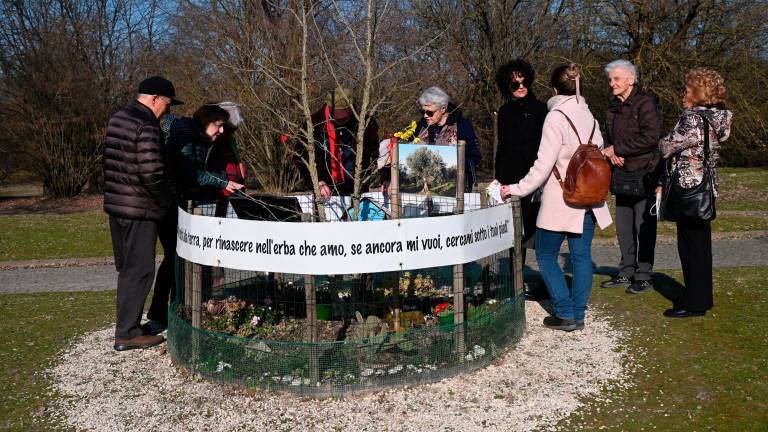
<point>628,183</point>
<point>698,202</point>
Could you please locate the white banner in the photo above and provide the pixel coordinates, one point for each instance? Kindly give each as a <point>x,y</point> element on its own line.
<point>344,247</point>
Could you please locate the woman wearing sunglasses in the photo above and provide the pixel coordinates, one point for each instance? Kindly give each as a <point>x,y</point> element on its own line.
<point>520,122</point>
<point>443,124</point>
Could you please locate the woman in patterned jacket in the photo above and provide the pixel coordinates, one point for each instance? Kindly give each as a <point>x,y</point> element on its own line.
<point>703,100</point>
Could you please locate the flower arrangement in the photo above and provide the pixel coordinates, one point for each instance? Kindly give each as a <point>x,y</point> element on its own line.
<point>424,286</point>
<point>407,134</point>
<point>419,286</point>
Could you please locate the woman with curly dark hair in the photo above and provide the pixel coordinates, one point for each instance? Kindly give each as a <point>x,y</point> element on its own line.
<point>520,121</point>
<point>684,149</point>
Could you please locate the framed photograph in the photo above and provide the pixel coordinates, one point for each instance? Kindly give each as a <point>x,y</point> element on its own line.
<point>428,169</point>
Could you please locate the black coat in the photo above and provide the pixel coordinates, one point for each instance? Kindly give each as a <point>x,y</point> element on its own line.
<point>135,185</point>
<point>633,128</point>
<point>519,124</point>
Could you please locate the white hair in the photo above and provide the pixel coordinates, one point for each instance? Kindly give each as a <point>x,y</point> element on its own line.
<point>621,64</point>
<point>436,96</point>
<point>235,119</point>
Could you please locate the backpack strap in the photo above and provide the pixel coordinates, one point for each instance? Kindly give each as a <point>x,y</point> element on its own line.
<point>594,126</point>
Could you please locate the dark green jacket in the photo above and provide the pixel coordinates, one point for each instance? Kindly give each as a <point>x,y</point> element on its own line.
<point>188,151</point>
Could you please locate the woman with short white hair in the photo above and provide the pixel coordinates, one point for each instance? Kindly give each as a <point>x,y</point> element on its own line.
<point>442,123</point>
<point>632,129</point>
<point>621,64</point>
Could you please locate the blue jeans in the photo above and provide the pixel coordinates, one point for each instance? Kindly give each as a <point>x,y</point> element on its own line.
<point>569,303</point>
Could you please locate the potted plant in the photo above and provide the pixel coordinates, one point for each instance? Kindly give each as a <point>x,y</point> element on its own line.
<point>444,314</point>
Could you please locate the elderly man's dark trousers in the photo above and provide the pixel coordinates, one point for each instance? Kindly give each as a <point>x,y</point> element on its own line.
<point>133,242</point>
<point>636,231</point>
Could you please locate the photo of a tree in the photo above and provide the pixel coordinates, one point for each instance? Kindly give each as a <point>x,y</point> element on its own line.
<point>428,169</point>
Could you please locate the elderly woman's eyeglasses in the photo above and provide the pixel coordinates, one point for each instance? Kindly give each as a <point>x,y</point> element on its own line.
<point>428,113</point>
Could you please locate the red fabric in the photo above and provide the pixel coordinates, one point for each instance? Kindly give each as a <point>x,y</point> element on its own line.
<point>392,142</point>
<point>337,171</point>
<point>222,159</point>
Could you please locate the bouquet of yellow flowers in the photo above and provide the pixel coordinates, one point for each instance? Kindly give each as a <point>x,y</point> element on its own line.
<point>407,134</point>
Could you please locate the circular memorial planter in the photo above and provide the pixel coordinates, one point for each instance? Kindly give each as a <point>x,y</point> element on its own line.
<point>332,335</point>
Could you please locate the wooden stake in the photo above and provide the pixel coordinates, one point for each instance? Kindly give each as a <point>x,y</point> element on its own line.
<point>197,285</point>
<point>395,206</point>
<point>458,269</point>
<point>517,221</point>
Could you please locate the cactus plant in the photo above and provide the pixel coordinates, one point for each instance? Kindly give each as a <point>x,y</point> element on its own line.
<point>368,328</point>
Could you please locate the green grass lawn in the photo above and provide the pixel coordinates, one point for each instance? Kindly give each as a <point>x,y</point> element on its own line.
<point>743,189</point>
<point>723,223</point>
<point>693,374</point>
<point>46,236</point>
<point>698,374</point>
<point>36,327</point>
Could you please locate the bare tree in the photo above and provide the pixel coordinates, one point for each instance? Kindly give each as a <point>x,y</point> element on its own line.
<point>481,36</point>
<point>66,65</point>
<point>280,81</point>
<point>665,39</point>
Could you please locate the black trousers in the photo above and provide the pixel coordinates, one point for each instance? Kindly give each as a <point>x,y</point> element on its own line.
<point>165,284</point>
<point>636,232</point>
<point>133,242</point>
<point>694,244</point>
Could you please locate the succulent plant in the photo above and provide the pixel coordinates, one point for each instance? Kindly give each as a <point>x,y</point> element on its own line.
<point>367,328</point>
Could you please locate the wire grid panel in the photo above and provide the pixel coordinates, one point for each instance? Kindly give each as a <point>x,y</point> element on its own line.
<point>356,332</point>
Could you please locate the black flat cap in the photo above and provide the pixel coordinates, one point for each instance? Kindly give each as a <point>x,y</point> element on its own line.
<point>160,86</point>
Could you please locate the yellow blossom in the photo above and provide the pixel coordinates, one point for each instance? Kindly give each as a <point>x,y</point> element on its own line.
<point>408,133</point>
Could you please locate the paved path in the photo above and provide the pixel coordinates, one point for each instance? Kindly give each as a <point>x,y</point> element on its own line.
<point>727,253</point>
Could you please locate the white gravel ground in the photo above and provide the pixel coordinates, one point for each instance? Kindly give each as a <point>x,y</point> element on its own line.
<point>540,382</point>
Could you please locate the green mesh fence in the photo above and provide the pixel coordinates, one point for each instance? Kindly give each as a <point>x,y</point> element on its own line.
<point>265,330</point>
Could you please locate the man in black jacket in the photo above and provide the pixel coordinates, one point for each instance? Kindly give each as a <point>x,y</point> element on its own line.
<point>633,129</point>
<point>520,122</point>
<point>136,197</point>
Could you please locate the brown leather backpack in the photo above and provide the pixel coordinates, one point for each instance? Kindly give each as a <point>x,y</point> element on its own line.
<point>588,176</point>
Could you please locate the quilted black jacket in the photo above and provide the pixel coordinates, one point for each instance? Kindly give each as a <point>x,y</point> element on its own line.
<point>134,172</point>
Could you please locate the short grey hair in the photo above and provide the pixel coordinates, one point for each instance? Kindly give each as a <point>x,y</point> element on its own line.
<point>435,95</point>
<point>621,64</point>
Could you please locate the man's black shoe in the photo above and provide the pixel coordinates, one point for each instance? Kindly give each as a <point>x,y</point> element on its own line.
<point>615,282</point>
<point>639,287</point>
<point>557,323</point>
<point>682,313</point>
